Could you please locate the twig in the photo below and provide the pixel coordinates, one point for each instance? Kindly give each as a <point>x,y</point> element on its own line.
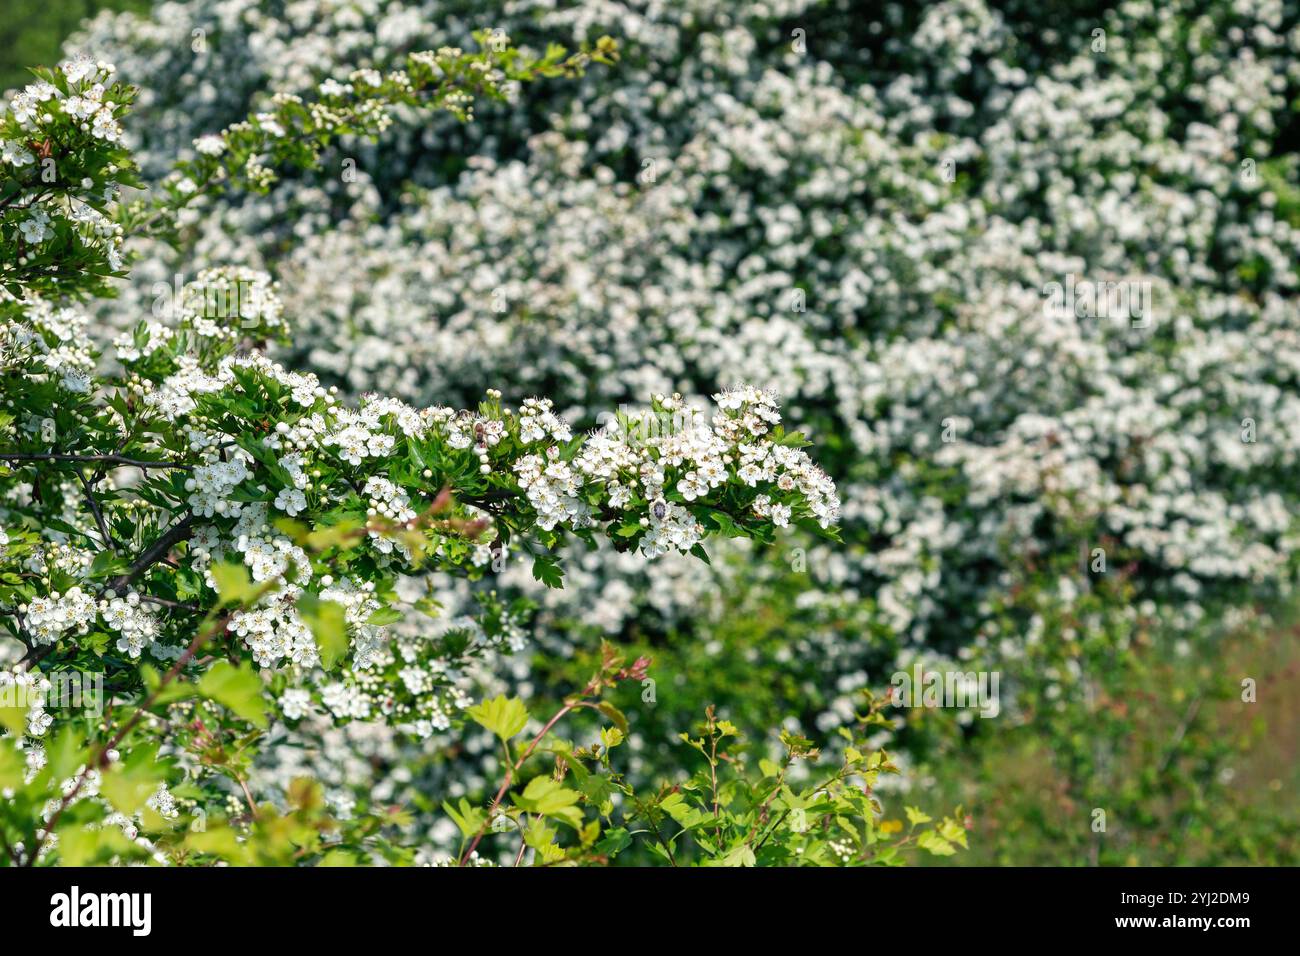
<point>510,773</point>
<point>98,513</point>
<point>36,655</point>
<point>1192,710</point>
<point>155,552</point>
<point>101,759</point>
<point>107,459</point>
<point>150,556</point>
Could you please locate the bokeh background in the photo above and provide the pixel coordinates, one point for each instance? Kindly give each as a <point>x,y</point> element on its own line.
<point>861,205</point>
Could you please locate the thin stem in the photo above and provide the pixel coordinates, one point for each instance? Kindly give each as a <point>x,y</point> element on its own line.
<point>1192,710</point>
<point>97,512</point>
<point>248,797</point>
<point>762,810</point>
<point>101,759</point>
<point>510,772</point>
<point>523,845</point>
<point>775,826</point>
<point>496,801</point>
<point>36,655</point>
<point>713,773</point>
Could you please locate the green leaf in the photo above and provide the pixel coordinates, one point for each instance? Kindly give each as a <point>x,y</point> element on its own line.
<point>614,842</point>
<point>65,753</point>
<point>953,832</point>
<point>176,690</point>
<point>328,623</point>
<point>550,798</point>
<point>81,846</point>
<point>106,563</point>
<point>683,814</point>
<point>237,688</point>
<point>915,816</point>
<point>467,817</point>
<point>547,570</point>
<point>294,529</point>
<point>740,855</point>
<point>234,585</point>
<point>541,838</point>
<point>504,717</point>
<point>935,844</point>
<point>220,841</point>
<point>128,785</point>
<point>614,714</point>
<point>597,788</point>
<point>724,523</point>
<point>337,857</point>
<point>339,535</point>
<point>13,717</point>
<point>385,615</point>
<point>13,767</point>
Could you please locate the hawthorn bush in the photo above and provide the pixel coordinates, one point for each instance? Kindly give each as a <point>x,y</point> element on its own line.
<point>211,546</point>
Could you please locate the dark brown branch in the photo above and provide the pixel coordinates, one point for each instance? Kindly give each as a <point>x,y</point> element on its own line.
<point>36,655</point>
<point>150,556</point>
<point>155,552</point>
<point>107,459</point>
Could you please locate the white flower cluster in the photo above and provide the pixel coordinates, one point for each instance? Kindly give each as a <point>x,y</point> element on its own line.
<point>136,626</point>
<point>230,302</point>
<point>56,338</point>
<point>538,422</point>
<point>390,502</point>
<point>43,113</point>
<point>406,682</point>
<point>553,489</point>
<point>74,612</point>
<point>799,225</point>
<point>212,484</point>
<point>27,691</point>
<point>633,457</point>
<point>275,635</point>
<point>272,630</point>
<point>51,617</point>
<point>39,102</point>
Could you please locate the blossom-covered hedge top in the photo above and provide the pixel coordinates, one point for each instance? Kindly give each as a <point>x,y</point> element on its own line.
<point>232,459</point>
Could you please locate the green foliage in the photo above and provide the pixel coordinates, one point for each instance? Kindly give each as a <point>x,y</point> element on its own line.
<point>800,811</point>
<point>503,717</point>
<point>236,687</point>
